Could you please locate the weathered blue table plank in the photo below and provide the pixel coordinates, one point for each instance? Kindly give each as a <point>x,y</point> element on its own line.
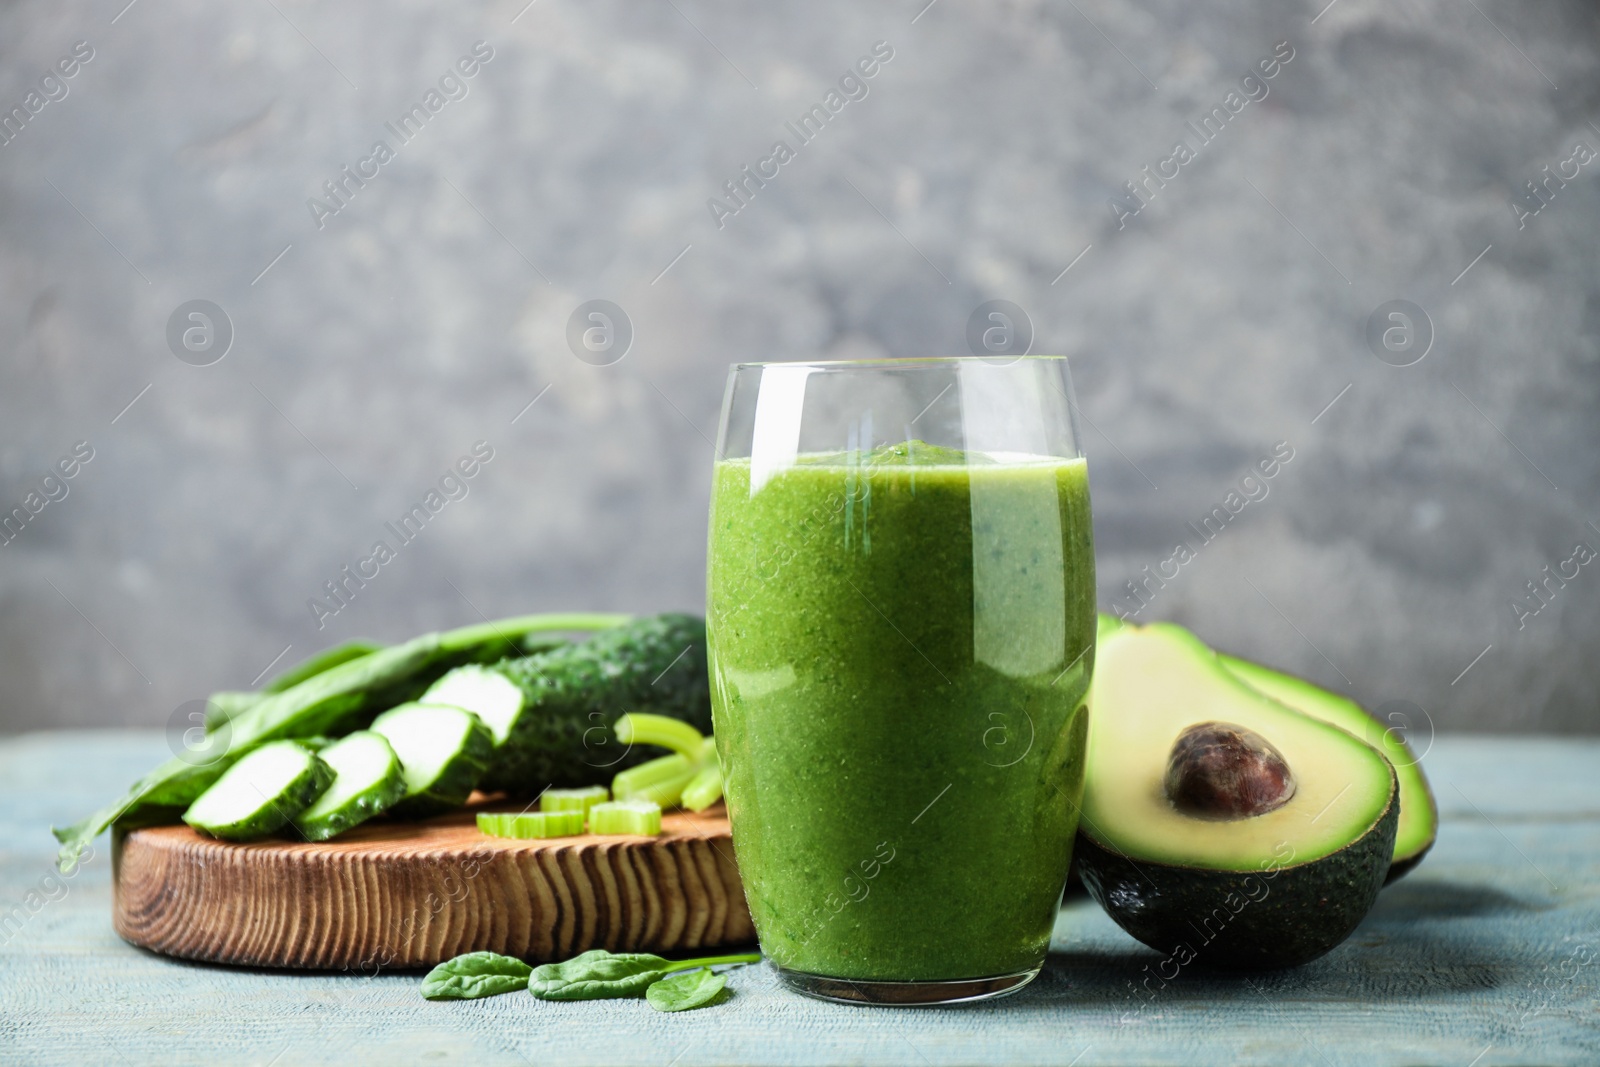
<point>1488,954</point>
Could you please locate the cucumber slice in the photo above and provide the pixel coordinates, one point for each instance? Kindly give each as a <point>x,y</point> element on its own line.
<point>443,751</point>
<point>367,780</point>
<point>638,817</point>
<point>261,793</point>
<point>488,694</point>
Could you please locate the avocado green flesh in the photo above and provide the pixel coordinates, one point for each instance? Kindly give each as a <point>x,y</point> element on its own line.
<point>1152,682</point>
<point>1419,815</point>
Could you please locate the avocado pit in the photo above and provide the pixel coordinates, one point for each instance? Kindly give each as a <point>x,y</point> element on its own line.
<point>1218,770</point>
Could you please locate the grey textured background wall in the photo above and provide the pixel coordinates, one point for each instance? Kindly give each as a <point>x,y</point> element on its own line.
<point>373,347</point>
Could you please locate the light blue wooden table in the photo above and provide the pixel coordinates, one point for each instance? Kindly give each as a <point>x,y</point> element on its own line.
<point>1488,954</point>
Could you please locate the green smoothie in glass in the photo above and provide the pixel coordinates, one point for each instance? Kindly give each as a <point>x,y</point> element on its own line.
<point>901,638</point>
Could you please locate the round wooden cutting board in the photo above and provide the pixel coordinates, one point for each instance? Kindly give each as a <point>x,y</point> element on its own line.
<point>410,894</point>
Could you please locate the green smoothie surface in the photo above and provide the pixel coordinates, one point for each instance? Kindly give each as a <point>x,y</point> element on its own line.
<point>900,645</point>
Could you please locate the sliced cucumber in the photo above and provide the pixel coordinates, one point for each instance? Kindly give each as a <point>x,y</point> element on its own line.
<point>444,752</point>
<point>488,694</point>
<point>261,793</point>
<point>368,779</point>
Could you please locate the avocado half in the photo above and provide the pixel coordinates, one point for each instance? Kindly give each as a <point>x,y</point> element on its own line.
<point>1419,813</point>
<point>1274,876</point>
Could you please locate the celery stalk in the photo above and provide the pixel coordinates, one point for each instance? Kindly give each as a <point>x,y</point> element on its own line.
<point>655,772</point>
<point>704,790</point>
<point>664,780</point>
<point>642,728</point>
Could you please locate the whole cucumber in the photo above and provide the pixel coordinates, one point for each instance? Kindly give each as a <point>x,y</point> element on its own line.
<point>573,695</point>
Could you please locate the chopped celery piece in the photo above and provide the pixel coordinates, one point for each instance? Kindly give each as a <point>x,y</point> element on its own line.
<point>660,780</point>
<point>704,790</point>
<point>579,800</point>
<point>665,794</point>
<point>664,780</point>
<point>495,823</point>
<point>641,817</point>
<point>529,825</point>
<point>547,824</point>
<point>652,772</point>
<point>642,728</point>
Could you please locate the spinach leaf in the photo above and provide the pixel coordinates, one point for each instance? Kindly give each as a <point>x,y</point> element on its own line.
<point>598,974</point>
<point>474,975</point>
<point>691,989</point>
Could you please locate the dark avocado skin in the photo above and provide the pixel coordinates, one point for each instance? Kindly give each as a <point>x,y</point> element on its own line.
<point>1401,868</point>
<point>1273,920</point>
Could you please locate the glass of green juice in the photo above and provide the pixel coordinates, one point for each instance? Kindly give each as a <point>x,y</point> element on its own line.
<point>901,623</point>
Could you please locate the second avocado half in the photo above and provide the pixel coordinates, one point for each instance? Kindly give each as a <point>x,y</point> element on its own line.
<point>1419,812</point>
<point>1218,823</point>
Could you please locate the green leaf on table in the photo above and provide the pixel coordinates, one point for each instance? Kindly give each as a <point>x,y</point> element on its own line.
<point>692,989</point>
<point>475,975</point>
<point>597,975</point>
<point>600,975</point>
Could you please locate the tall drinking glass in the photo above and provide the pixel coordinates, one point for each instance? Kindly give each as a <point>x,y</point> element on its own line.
<point>901,621</point>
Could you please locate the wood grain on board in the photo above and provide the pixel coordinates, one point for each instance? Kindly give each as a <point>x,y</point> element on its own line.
<point>410,894</point>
